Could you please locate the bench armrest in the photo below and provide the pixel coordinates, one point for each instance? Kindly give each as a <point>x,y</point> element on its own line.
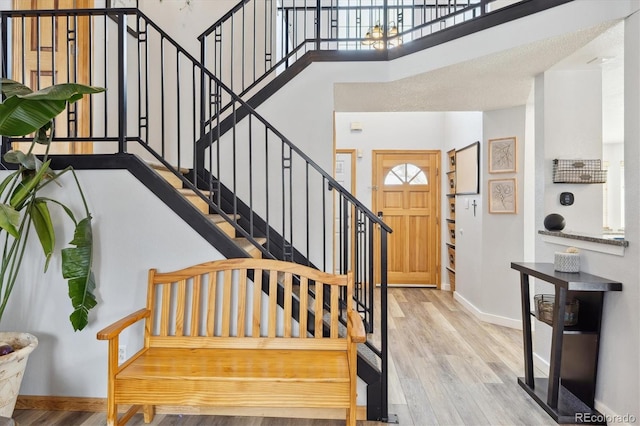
<point>357,332</point>
<point>114,329</point>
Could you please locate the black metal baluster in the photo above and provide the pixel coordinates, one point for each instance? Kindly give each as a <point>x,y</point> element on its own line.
<point>372,284</point>
<point>194,129</point>
<point>383,326</point>
<point>242,71</point>
<point>106,77</point>
<point>234,165</point>
<point>218,136</point>
<point>91,79</point>
<point>324,224</point>
<point>345,236</point>
<point>122,83</point>
<point>140,40</point>
<point>308,223</point>
<point>255,43</point>
<point>251,211</point>
<point>162,101</point>
<point>290,170</point>
<point>318,23</point>
<point>266,187</point>
<point>178,107</point>
<point>232,54</point>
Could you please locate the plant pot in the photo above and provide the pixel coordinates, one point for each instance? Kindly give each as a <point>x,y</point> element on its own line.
<point>12,368</point>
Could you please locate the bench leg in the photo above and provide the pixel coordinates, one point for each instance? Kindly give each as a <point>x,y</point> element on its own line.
<point>149,412</point>
<point>351,417</point>
<point>112,413</point>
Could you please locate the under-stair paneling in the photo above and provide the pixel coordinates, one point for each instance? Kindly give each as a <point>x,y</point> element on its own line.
<point>134,231</point>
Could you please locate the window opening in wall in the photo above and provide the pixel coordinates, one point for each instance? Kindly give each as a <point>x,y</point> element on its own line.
<point>605,196</point>
<point>622,192</point>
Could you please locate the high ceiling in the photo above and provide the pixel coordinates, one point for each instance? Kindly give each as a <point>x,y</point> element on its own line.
<point>491,82</point>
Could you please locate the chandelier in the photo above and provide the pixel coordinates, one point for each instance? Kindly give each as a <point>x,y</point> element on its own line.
<point>375,36</point>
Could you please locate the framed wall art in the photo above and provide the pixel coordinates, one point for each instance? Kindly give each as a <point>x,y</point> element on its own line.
<point>468,169</point>
<point>503,155</point>
<point>503,196</point>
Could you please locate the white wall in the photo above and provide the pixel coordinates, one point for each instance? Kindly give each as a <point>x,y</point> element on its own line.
<point>618,389</point>
<point>133,232</point>
<point>185,22</point>
<point>573,130</point>
<point>503,234</point>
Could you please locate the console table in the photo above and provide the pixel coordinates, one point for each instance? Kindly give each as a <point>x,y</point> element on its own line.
<point>568,394</point>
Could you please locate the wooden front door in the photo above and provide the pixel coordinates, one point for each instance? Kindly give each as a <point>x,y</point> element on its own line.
<point>55,51</point>
<point>407,191</point>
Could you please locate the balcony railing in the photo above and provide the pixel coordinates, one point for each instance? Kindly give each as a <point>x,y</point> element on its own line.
<point>257,40</point>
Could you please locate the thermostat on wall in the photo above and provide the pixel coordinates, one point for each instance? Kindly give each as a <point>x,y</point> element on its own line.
<point>566,198</point>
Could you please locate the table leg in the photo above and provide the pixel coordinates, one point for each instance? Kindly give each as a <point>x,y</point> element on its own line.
<point>526,330</point>
<point>556,346</point>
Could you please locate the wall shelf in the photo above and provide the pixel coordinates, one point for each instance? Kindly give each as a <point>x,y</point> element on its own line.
<point>451,219</point>
<point>602,245</point>
<point>578,171</point>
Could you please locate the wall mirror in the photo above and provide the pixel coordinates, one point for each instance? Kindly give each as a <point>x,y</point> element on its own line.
<point>468,169</point>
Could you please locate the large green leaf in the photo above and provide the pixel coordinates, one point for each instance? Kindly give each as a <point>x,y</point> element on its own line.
<point>76,267</point>
<point>44,228</point>
<point>28,161</point>
<point>8,180</point>
<point>23,113</point>
<point>13,88</point>
<point>25,188</point>
<point>69,92</point>
<point>19,117</point>
<point>9,220</point>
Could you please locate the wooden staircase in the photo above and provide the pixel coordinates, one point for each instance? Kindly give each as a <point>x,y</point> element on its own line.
<point>203,207</point>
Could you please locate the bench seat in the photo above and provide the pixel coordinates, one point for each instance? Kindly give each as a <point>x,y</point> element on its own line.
<point>220,377</point>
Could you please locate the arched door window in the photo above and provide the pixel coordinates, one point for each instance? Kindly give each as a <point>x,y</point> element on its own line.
<point>406,173</point>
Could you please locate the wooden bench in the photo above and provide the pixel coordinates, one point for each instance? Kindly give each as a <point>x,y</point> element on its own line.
<point>213,338</point>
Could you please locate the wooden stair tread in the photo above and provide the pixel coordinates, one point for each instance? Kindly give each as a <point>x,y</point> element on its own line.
<point>189,191</point>
<point>162,167</point>
<point>246,244</point>
<point>239,365</point>
<point>218,218</point>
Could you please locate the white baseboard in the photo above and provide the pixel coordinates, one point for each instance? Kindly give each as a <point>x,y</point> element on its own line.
<point>610,416</point>
<point>490,318</point>
<point>613,418</point>
<point>445,287</point>
<point>541,363</point>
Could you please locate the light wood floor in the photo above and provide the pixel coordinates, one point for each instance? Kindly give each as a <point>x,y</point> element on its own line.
<point>446,368</point>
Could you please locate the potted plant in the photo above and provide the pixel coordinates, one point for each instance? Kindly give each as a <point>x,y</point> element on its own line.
<point>25,211</point>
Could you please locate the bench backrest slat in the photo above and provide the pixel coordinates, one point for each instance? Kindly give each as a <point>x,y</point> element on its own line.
<point>225,299</point>
<point>304,303</point>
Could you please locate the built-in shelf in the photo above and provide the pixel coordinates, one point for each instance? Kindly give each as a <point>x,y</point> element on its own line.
<point>586,242</point>
<point>451,218</point>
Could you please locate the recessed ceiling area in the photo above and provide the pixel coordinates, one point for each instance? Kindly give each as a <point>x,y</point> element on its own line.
<point>496,81</point>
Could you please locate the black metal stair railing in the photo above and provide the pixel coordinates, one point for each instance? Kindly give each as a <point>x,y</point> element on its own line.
<point>157,94</point>
<point>257,40</point>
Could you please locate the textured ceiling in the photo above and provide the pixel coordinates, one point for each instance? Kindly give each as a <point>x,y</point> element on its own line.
<point>495,81</point>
